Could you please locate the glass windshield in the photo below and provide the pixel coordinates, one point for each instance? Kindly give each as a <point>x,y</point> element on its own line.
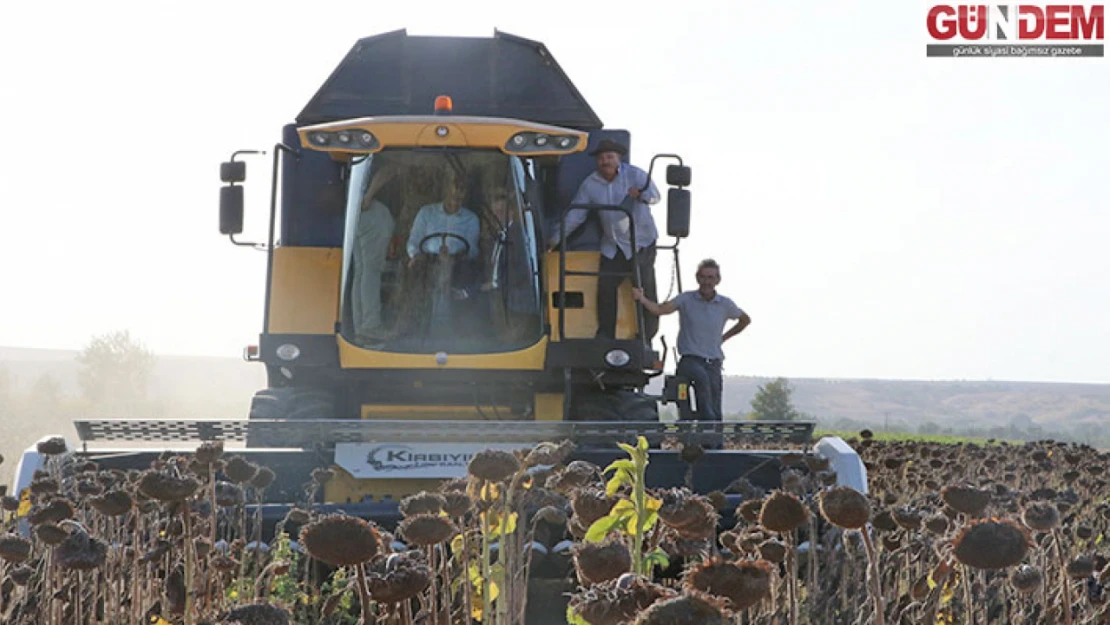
<point>438,254</point>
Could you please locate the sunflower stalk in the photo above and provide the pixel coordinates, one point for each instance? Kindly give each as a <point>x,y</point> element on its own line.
<point>632,516</point>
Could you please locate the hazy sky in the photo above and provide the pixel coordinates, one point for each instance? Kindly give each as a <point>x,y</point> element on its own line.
<point>879,214</point>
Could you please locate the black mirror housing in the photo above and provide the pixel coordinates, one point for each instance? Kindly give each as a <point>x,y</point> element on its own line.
<point>678,212</point>
<point>231,209</point>
<point>678,175</point>
<point>233,171</point>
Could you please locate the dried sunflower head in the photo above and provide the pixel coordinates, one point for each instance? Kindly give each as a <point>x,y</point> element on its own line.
<point>783,512</point>
<point>257,614</point>
<point>772,550</point>
<point>53,511</point>
<point>240,470</point>
<point>53,446</point>
<point>992,544</point>
<point>228,495</point>
<point>907,517</point>
<point>601,562</point>
<point>456,504</point>
<point>112,503</point>
<point>703,525</point>
<point>80,551</point>
<point>50,533</point>
<point>845,507</point>
<point>493,465</point>
<point>397,577</point>
<point>164,486</point>
<point>1081,567</point>
<point>1041,516</point>
<point>617,601</point>
<point>679,507</point>
<point>1026,579</point>
<point>209,452</point>
<point>576,475</point>
<point>423,503</point>
<point>966,499</point>
<point>743,583</point>
<point>690,608</point>
<point>263,478</point>
<point>427,529</point>
<point>937,524</point>
<point>590,504</point>
<point>21,574</point>
<point>341,540</point>
<point>749,510</point>
<point>548,454</point>
<point>14,548</point>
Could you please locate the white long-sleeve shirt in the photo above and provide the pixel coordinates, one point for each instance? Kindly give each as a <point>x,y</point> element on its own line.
<point>433,218</point>
<point>615,230</point>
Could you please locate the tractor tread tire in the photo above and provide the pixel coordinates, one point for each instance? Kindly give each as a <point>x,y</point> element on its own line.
<point>293,403</point>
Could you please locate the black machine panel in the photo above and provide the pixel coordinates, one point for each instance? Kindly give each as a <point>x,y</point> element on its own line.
<point>502,76</point>
<point>313,196</point>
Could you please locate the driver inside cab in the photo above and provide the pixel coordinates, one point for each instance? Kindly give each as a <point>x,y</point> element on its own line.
<point>443,260</point>
<point>445,228</point>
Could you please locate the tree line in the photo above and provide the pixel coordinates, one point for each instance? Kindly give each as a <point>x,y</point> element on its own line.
<point>113,375</point>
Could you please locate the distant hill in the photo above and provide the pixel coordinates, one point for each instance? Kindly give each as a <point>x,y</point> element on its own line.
<point>196,387</point>
<point>907,404</point>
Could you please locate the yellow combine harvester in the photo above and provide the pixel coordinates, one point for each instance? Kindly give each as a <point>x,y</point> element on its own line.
<point>414,313</point>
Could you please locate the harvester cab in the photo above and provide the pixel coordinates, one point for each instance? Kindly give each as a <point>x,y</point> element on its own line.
<point>415,313</point>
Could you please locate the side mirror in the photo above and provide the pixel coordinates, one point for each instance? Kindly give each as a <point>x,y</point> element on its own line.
<point>233,171</point>
<point>678,209</point>
<point>678,175</point>
<point>231,209</point>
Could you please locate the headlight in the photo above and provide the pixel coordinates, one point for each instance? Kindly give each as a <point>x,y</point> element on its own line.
<point>354,139</point>
<point>617,358</point>
<point>540,142</point>
<point>288,351</point>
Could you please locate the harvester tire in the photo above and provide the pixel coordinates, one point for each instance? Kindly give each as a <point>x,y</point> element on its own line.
<point>293,403</point>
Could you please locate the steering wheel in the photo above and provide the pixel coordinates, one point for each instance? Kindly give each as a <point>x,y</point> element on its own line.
<point>443,237</point>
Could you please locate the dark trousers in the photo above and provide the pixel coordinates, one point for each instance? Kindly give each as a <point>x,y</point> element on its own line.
<point>607,290</point>
<point>705,376</point>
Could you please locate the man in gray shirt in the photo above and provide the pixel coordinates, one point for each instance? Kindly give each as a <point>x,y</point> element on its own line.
<point>615,183</point>
<point>702,317</point>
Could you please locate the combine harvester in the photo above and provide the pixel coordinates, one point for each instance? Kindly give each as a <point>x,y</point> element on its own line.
<point>393,360</point>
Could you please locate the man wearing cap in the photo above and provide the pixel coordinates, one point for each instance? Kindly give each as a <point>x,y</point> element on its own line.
<point>616,183</point>
<point>702,317</point>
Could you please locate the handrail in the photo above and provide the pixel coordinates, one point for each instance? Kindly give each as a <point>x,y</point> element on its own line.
<point>637,282</point>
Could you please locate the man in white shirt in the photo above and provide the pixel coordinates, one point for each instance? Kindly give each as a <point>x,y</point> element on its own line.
<point>374,230</point>
<point>447,216</point>
<point>616,183</point>
<point>455,268</point>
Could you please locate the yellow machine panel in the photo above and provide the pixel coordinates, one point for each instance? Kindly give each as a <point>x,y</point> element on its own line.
<point>304,291</point>
<point>549,407</point>
<point>581,322</point>
<point>527,359</point>
<point>442,131</point>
